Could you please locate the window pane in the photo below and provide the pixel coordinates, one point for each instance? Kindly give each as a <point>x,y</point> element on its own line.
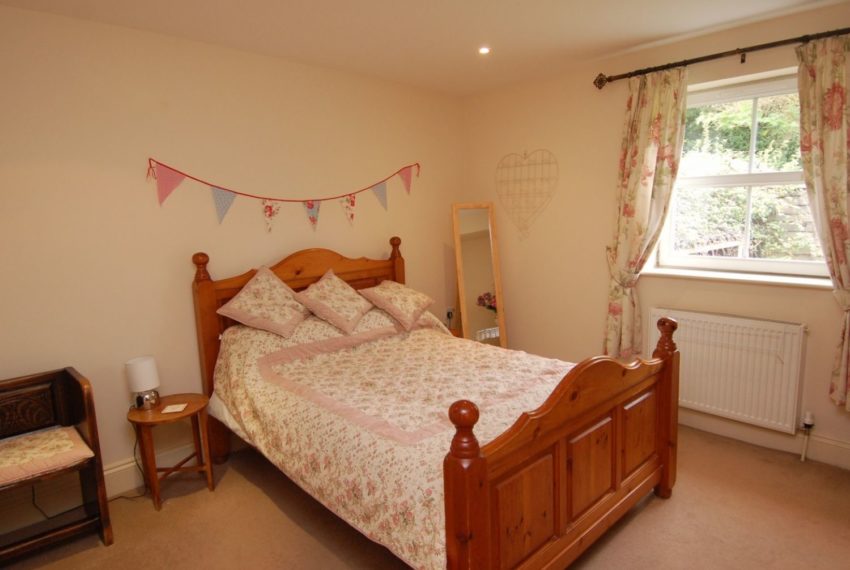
<point>709,221</point>
<point>717,139</point>
<point>782,226</point>
<point>778,134</point>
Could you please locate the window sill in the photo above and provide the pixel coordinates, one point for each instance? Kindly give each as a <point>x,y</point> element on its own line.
<point>731,277</point>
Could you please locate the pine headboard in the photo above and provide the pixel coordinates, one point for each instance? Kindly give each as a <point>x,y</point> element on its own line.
<point>297,270</point>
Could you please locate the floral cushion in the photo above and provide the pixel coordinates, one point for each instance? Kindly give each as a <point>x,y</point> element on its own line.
<point>37,453</point>
<point>405,305</point>
<point>332,299</point>
<point>266,303</point>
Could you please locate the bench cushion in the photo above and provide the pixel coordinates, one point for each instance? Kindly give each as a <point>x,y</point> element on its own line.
<point>31,455</point>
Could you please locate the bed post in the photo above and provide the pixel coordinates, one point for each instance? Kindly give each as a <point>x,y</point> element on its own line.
<point>397,259</point>
<point>208,327</point>
<point>464,477</point>
<point>669,405</point>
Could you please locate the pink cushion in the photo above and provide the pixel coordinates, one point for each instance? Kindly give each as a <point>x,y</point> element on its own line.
<point>404,304</point>
<point>34,454</point>
<point>266,303</point>
<point>335,301</point>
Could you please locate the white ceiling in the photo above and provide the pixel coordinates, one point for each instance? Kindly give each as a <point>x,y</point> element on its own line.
<point>429,43</point>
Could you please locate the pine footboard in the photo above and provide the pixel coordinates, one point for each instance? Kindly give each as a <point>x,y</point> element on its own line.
<point>542,492</point>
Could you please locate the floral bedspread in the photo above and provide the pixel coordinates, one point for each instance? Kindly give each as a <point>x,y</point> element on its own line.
<point>360,422</point>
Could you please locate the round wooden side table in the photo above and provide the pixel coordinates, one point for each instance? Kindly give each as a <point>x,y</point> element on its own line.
<point>145,420</point>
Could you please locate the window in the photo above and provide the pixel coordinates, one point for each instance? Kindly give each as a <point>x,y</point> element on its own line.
<point>740,203</point>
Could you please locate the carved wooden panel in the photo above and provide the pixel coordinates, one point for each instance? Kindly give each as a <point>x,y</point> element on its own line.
<point>591,466</point>
<point>26,409</point>
<point>639,431</point>
<point>525,511</point>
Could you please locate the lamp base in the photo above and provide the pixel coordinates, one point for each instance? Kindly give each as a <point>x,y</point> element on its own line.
<point>146,400</point>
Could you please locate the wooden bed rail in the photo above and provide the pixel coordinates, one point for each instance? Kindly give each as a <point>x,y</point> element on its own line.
<point>539,494</point>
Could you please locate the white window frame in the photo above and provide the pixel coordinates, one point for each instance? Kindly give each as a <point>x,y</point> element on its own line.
<point>667,258</point>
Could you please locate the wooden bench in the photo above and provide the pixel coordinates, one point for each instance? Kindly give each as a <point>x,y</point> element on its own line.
<point>48,428</point>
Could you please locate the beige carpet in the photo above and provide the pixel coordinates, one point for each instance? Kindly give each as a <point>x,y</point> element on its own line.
<point>735,506</point>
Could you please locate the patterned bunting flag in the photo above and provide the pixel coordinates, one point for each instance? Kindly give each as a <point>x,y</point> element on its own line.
<point>348,206</point>
<point>380,190</point>
<point>312,207</point>
<point>270,210</point>
<point>166,181</point>
<point>223,200</point>
<point>406,174</point>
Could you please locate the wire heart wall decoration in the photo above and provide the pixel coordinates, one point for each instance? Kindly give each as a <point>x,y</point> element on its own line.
<point>525,184</point>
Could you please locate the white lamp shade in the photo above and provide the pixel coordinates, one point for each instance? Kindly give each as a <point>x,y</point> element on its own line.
<point>141,374</point>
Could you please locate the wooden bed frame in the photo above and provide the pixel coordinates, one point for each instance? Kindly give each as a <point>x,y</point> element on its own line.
<point>543,491</point>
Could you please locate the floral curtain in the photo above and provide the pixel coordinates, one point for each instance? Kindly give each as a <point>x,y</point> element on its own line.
<point>649,159</point>
<point>824,145</point>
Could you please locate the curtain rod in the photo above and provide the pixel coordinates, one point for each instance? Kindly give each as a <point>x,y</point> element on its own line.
<point>602,79</point>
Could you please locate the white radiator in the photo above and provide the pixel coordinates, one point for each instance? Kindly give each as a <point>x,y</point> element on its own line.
<point>744,369</point>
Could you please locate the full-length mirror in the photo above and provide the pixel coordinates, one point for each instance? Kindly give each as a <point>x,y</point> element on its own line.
<point>479,283</point>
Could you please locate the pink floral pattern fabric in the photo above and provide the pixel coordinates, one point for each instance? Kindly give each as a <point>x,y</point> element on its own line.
<point>649,160</point>
<point>266,303</point>
<point>824,146</point>
<point>403,303</point>
<point>332,299</point>
<point>390,488</point>
<point>37,453</point>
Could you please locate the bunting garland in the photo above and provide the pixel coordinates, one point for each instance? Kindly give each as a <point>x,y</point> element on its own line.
<point>312,207</point>
<point>169,178</point>
<point>380,190</point>
<point>270,210</point>
<point>223,200</point>
<point>348,206</point>
<point>405,175</point>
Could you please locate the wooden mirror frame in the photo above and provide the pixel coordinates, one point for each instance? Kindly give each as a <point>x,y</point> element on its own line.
<point>494,261</point>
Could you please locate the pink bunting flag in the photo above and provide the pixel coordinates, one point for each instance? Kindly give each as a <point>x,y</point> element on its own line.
<point>406,174</point>
<point>348,206</point>
<point>270,210</point>
<point>312,207</point>
<point>167,179</point>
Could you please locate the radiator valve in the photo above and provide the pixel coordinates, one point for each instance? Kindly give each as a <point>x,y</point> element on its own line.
<point>808,421</point>
<point>808,424</point>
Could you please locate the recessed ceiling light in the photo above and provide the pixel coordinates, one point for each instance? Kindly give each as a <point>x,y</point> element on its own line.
<point>484,50</point>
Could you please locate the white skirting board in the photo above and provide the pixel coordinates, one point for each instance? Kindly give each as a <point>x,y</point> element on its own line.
<point>822,449</point>
<point>59,494</point>
<point>123,476</point>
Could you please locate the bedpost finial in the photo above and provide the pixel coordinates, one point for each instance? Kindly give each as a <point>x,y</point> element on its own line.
<point>665,347</point>
<point>464,415</point>
<point>200,260</point>
<point>395,241</point>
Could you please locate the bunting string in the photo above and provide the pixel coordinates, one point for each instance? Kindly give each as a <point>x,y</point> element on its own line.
<point>169,178</point>
<point>404,172</point>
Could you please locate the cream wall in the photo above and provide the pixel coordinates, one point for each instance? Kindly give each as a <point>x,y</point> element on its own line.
<point>555,281</point>
<point>95,272</point>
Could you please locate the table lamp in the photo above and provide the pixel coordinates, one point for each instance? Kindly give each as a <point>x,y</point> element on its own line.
<point>143,380</point>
